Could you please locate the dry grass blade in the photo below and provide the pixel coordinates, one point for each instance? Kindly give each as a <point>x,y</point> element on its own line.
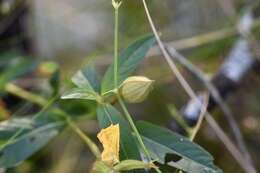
<point>215,95</point>
<point>220,133</point>
<point>201,116</point>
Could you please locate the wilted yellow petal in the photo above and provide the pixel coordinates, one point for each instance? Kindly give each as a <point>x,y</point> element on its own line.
<point>109,137</point>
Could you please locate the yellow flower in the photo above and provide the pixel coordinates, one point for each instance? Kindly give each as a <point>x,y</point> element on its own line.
<point>109,137</point>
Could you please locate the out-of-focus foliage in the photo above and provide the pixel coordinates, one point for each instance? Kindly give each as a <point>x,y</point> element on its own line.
<point>73,33</point>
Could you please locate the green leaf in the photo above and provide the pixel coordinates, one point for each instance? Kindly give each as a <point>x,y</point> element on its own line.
<point>9,127</point>
<point>88,85</point>
<point>34,133</point>
<point>161,142</point>
<point>80,93</point>
<point>107,115</point>
<point>90,73</point>
<point>17,68</point>
<point>128,62</point>
<point>87,79</point>
<point>27,144</point>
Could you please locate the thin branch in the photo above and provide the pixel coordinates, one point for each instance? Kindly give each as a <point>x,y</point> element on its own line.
<point>244,27</point>
<point>11,88</point>
<point>138,136</point>
<point>191,42</point>
<point>224,138</point>
<point>178,118</point>
<point>201,116</point>
<point>202,39</point>
<point>216,96</point>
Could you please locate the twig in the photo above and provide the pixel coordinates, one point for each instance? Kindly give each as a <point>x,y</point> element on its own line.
<point>92,146</point>
<point>224,138</point>
<point>201,117</point>
<point>216,96</point>
<point>191,42</point>
<point>178,118</point>
<point>202,39</point>
<point>11,88</point>
<point>196,41</point>
<point>246,32</point>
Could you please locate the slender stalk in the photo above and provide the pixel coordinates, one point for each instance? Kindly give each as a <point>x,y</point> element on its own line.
<point>131,122</point>
<point>13,89</point>
<point>92,146</point>
<point>137,134</point>
<point>238,156</point>
<point>216,96</point>
<point>201,117</point>
<point>178,118</point>
<point>127,114</point>
<point>116,46</point>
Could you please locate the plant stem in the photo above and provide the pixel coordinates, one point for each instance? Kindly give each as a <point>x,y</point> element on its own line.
<point>196,129</point>
<point>179,119</point>
<point>137,134</point>
<point>15,90</point>
<point>238,156</point>
<point>128,116</point>
<point>92,146</point>
<point>131,122</point>
<point>116,48</point>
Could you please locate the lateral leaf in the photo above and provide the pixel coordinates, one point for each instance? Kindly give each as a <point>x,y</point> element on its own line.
<point>161,142</point>
<point>128,61</point>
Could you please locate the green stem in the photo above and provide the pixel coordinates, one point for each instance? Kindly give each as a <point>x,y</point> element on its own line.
<point>137,134</point>
<point>131,122</point>
<point>128,116</point>
<point>92,146</point>
<point>116,48</point>
<point>15,90</point>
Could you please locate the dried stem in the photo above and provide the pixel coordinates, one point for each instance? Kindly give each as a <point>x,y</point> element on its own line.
<point>224,138</point>
<point>201,117</point>
<point>215,94</point>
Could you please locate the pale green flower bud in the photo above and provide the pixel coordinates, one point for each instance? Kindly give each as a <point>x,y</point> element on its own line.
<point>135,89</point>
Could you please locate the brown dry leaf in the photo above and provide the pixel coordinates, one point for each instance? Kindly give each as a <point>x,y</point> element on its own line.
<point>110,137</point>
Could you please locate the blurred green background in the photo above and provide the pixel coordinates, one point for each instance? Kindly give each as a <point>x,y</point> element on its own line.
<point>72,33</point>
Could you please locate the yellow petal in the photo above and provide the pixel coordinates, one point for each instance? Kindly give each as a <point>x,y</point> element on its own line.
<point>109,137</point>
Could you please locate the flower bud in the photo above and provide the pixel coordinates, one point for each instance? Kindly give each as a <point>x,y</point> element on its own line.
<point>135,89</point>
